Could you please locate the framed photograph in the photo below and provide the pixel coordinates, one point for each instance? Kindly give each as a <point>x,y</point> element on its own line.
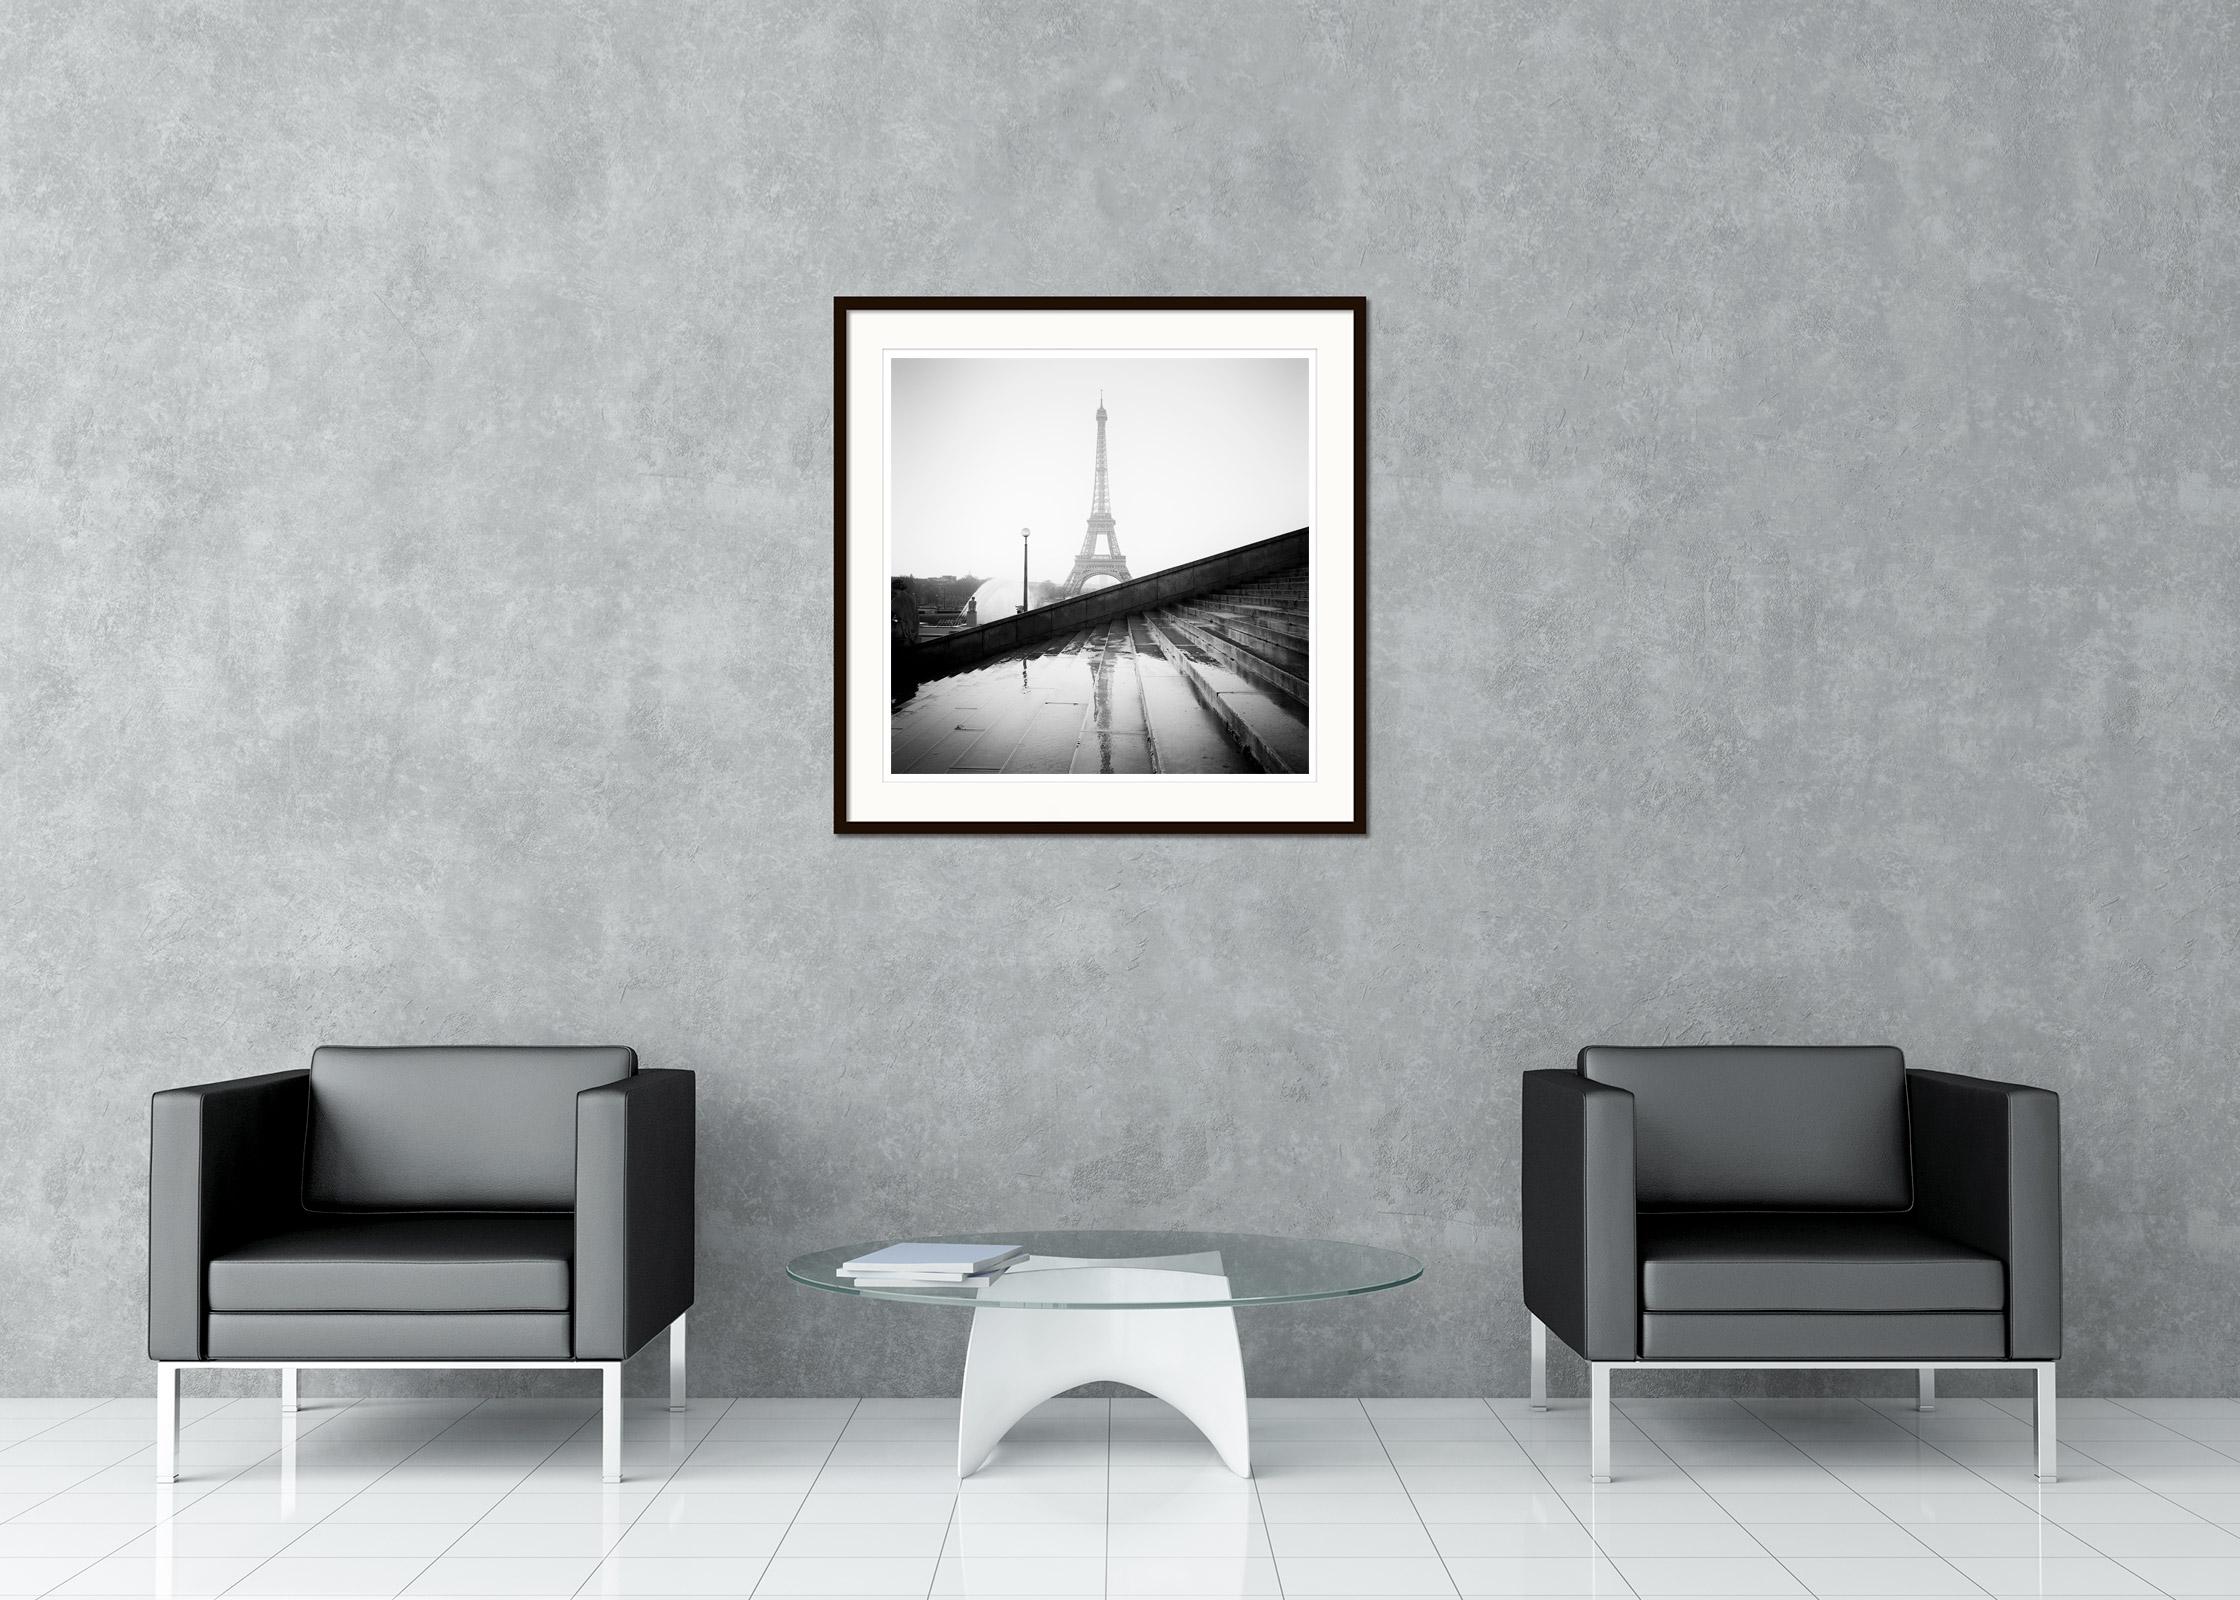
<point>1102,565</point>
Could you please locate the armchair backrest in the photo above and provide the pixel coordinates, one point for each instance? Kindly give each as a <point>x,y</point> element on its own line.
<point>1764,1128</point>
<point>450,1127</point>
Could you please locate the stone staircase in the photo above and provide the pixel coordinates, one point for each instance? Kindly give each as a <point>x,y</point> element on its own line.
<point>1244,650</point>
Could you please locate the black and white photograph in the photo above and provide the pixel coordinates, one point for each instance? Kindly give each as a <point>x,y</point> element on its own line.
<point>1206,670</point>
<point>1105,577</point>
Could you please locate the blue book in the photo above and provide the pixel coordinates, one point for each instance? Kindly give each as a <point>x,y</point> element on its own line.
<point>960,1261</point>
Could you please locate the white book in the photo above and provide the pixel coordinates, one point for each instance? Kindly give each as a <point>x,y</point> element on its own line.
<point>917,1280</point>
<point>962,1260</point>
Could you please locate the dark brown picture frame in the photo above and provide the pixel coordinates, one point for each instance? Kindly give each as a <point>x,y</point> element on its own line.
<point>1357,822</point>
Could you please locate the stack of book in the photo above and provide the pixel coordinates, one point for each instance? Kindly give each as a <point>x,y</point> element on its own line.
<point>931,1265</point>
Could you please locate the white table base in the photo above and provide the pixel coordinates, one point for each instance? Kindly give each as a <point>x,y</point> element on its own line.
<point>1021,1357</point>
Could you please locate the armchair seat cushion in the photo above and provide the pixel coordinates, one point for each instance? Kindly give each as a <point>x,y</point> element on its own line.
<point>415,1262</point>
<point>1810,1261</point>
<point>389,1336</point>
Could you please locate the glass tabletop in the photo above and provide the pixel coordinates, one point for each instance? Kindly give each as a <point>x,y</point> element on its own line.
<point>1090,1270</point>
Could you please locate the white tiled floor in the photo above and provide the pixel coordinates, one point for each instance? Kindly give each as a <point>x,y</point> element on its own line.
<point>1090,1497</point>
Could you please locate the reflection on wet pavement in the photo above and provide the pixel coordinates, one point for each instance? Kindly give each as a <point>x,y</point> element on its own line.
<point>1106,700</point>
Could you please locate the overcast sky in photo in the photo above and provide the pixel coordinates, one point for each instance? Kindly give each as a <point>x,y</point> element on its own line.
<point>1204,454</point>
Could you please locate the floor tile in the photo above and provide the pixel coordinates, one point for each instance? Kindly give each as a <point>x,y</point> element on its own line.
<point>2078,1510</point>
<point>1657,1576</point>
<point>1878,1575</point>
<point>2163,1479</point>
<point>1209,1479</point>
<point>1323,1508</point>
<point>303,1577</point>
<point>1386,1575</point>
<point>145,1508</point>
<point>520,1575</point>
<point>1530,1575</point>
<point>859,1539</point>
<point>1812,1508</point>
<point>713,1477</point>
<point>820,1429</point>
<point>43,1452</point>
<point>1194,1576</point>
<point>1784,1540</point>
<point>706,1540</point>
<point>596,1506</point>
<point>145,1575</point>
<point>1722,1540</point>
<point>1011,1506</point>
<point>1289,1540</point>
<point>2187,1575</point>
<point>1533,1540</point>
<point>686,1506</point>
<point>38,1574</point>
<point>496,1540</point>
<point>466,1506</point>
<point>638,1576</point>
<point>1124,1509</point>
<point>1470,1480</point>
<point>1196,1540</point>
<point>2032,1539</point>
<point>2126,1423</point>
<point>354,1539</point>
<point>2124,1540</point>
<point>1480,1426</point>
<point>1599,1508</point>
<point>2069,1575</point>
<point>2162,1452</point>
<point>2216,1505</point>
<point>1949,1479</point>
<point>821,1453</point>
<point>87,1539</point>
<point>1570,1456</point>
<point>1360,1453</point>
<point>1000,1478</point>
<point>1020,1575</point>
<point>1804,1478</point>
<point>1726,1453</point>
<point>1986,1506</point>
<point>1284,1478</point>
<point>846,1575</point>
<point>1384,1410</point>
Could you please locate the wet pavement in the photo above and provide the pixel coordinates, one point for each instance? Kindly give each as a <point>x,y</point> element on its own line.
<point>1106,700</point>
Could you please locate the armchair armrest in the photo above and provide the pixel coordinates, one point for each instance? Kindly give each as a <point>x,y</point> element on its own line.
<point>1582,1268</point>
<point>635,1211</point>
<point>225,1162</point>
<point>1987,1172</point>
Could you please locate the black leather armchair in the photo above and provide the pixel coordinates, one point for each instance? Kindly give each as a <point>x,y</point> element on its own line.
<point>1744,1206</point>
<point>454,1206</point>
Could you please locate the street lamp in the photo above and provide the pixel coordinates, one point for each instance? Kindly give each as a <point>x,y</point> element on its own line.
<point>1024,535</point>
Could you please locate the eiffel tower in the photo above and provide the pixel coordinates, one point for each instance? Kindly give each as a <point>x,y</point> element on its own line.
<point>1088,564</point>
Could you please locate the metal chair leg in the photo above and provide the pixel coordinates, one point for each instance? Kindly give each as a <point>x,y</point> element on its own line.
<point>1925,1397</point>
<point>1598,1421</point>
<point>1539,1365</point>
<point>167,1422</point>
<point>676,1363</point>
<point>2043,1422</point>
<point>610,1422</point>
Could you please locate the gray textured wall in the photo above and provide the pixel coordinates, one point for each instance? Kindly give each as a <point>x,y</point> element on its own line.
<point>1804,591</point>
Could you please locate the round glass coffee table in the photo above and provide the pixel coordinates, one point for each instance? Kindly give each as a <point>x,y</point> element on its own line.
<point>1156,1310</point>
